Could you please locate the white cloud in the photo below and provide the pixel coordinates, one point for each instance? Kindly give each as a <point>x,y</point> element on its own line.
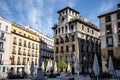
<point>101,8</point>
<point>106,6</point>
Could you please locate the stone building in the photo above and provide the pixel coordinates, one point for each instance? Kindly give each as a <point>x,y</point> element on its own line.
<point>5,32</point>
<point>110,35</point>
<point>46,47</point>
<point>75,39</point>
<point>24,47</point>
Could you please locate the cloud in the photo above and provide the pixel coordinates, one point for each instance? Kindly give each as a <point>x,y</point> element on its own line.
<point>106,6</point>
<point>101,8</point>
<point>40,14</point>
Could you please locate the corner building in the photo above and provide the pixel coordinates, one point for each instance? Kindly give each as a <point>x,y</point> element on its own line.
<point>46,47</point>
<point>24,47</point>
<point>75,39</point>
<point>110,36</point>
<point>5,33</point>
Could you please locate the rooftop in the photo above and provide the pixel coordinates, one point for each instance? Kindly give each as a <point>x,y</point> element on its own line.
<point>68,8</point>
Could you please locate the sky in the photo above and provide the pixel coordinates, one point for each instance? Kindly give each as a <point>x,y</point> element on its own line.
<point>42,14</point>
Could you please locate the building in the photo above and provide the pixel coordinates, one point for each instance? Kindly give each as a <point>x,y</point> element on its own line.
<point>46,47</point>
<point>110,35</point>
<point>24,47</point>
<point>75,39</point>
<point>5,33</point>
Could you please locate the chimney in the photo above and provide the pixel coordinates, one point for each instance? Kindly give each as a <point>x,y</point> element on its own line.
<point>118,6</point>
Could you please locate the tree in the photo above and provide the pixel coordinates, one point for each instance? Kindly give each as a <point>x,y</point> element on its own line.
<point>61,65</point>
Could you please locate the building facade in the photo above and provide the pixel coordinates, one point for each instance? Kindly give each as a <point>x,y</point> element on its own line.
<point>5,33</point>
<point>75,39</point>
<point>110,35</point>
<point>46,47</point>
<point>24,47</point>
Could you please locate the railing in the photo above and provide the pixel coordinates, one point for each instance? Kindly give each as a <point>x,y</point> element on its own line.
<point>13,52</point>
<point>14,42</point>
<point>20,44</point>
<point>19,53</point>
<point>1,49</point>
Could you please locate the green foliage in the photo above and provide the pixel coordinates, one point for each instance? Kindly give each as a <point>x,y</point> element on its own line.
<point>61,65</point>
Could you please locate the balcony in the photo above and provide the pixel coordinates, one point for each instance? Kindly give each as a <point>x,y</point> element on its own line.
<point>20,44</point>
<point>29,54</point>
<point>36,48</point>
<point>23,63</point>
<point>14,42</point>
<point>24,53</point>
<point>1,49</point>
<point>12,63</point>
<point>19,53</point>
<point>36,55</point>
<point>18,63</point>
<point>13,52</point>
<point>25,45</point>
<point>32,55</point>
<point>2,38</point>
<point>29,46</point>
<point>32,47</point>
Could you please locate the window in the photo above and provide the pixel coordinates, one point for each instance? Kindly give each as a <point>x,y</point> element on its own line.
<point>59,30</point>
<point>24,43</point>
<point>14,31</point>
<point>20,42</point>
<point>57,41</point>
<point>108,19</point>
<point>65,28</point>
<point>118,15</point>
<point>13,60</point>
<point>32,45</point>
<point>72,27</point>
<point>14,40</point>
<point>2,35</point>
<point>73,48</point>
<point>0,25</point>
<point>18,61</point>
<point>88,29</point>
<point>110,53</point>
<point>119,40</point>
<point>0,58</point>
<point>108,29</point>
<point>28,44</point>
<point>56,31</point>
<point>109,41</point>
<point>13,50</point>
<point>92,31</point>
<point>19,50</point>
<point>62,29</point>
<point>73,37</point>
<point>62,49</point>
<point>63,19</point>
<point>25,35</point>
<point>6,28</point>
<point>82,27</point>
<point>56,49</point>
<point>67,48</point>
<point>119,27</point>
